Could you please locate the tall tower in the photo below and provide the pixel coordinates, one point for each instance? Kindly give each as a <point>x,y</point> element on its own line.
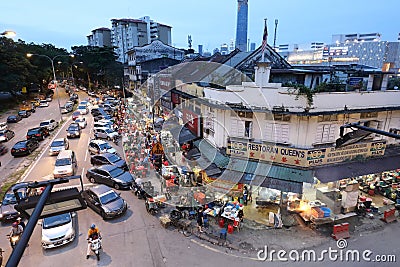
<point>241,27</point>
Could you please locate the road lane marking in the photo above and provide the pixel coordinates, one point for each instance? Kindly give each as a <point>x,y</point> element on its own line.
<point>44,151</point>
<point>83,171</point>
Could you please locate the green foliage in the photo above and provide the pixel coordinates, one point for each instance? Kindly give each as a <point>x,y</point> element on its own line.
<point>394,81</point>
<point>302,90</point>
<point>330,87</point>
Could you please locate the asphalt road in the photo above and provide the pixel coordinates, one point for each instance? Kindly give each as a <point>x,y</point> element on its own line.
<point>137,239</point>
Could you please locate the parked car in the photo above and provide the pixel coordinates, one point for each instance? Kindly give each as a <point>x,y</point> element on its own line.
<point>109,159</point>
<point>103,124</point>
<point>103,117</point>
<point>49,124</point>
<point>105,133</point>
<point>110,175</point>
<point>13,118</point>
<point>58,230</point>
<point>25,147</point>
<point>3,150</point>
<point>74,131</point>
<point>38,133</point>
<point>100,146</point>
<point>57,145</point>
<point>84,103</point>
<point>3,126</point>
<point>66,108</point>
<point>24,113</point>
<point>43,104</point>
<point>105,201</point>
<point>36,103</point>
<point>76,115</point>
<point>7,210</point>
<point>82,122</point>
<point>6,135</point>
<point>90,93</point>
<point>66,164</point>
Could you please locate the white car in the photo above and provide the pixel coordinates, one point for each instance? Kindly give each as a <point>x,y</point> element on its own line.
<point>82,122</point>
<point>84,103</point>
<point>43,103</point>
<point>58,230</point>
<point>104,133</point>
<point>100,146</point>
<point>3,126</point>
<point>49,124</point>
<point>83,109</point>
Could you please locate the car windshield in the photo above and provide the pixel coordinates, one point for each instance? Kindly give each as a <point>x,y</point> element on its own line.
<point>57,143</point>
<point>33,131</point>
<point>82,107</point>
<point>108,130</point>
<point>58,220</point>
<point>116,172</point>
<point>108,197</point>
<point>44,123</point>
<point>63,162</point>
<point>9,197</point>
<point>80,120</point>
<point>113,158</point>
<point>105,146</point>
<point>2,133</point>
<point>72,128</point>
<point>20,144</point>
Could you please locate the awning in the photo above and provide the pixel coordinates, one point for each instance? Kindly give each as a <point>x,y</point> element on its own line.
<point>211,153</point>
<point>182,134</point>
<point>353,169</point>
<point>212,170</point>
<point>269,170</point>
<point>282,185</point>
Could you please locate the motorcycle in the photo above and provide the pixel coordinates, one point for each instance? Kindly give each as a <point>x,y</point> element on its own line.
<point>95,246</point>
<point>152,206</point>
<point>14,240</point>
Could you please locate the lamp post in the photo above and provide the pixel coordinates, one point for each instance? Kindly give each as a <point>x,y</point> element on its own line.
<point>54,75</point>
<point>72,72</point>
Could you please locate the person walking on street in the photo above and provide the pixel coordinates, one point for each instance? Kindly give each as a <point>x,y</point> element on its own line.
<point>200,219</point>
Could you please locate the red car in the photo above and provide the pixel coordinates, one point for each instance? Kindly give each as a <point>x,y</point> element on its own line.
<point>75,115</point>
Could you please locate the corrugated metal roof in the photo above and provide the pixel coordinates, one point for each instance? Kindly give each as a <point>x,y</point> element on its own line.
<point>211,153</point>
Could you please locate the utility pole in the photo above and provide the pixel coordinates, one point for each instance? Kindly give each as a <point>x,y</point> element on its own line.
<point>276,27</point>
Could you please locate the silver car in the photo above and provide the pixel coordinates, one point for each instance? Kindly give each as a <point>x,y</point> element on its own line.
<point>57,145</point>
<point>58,230</point>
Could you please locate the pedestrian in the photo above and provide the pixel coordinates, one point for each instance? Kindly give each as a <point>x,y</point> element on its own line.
<point>245,194</point>
<point>200,219</point>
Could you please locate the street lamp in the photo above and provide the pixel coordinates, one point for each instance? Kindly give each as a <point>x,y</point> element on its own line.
<point>8,34</point>
<point>54,75</point>
<point>72,72</point>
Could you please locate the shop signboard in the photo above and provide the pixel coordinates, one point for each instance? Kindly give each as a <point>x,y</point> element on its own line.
<point>175,98</point>
<point>304,157</point>
<point>166,104</point>
<point>191,120</point>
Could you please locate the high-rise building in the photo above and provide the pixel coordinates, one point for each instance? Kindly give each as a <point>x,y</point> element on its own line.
<point>224,49</point>
<point>252,46</point>
<point>100,37</point>
<point>241,26</point>
<point>200,49</point>
<point>129,33</point>
<point>355,37</point>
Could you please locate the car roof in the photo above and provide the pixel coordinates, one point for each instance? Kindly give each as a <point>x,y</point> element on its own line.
<point>100,189</point>
<point>106,167</point>
<point>59,139</point>
<point>97,141</point>
<point>36,128</point>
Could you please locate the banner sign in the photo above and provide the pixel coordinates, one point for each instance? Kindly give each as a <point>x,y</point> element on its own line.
<point>304,157</point>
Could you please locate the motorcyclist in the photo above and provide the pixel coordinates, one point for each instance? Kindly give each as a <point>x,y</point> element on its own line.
<point>16,230</point>
<point>93,233</point>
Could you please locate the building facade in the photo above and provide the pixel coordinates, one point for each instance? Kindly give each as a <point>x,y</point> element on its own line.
<point>100,37</point>
<point>241,27</point>
<point>129,33</point>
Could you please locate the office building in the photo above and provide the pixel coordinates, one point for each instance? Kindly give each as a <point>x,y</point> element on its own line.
<point>355,37</point>
<point>200,50</point>
<point>252,46</point>
<point>241,27</point>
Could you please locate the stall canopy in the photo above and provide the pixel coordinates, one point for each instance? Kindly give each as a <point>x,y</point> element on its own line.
<point>211,153</point>
<point>182,134</point>
<point>353,169</point>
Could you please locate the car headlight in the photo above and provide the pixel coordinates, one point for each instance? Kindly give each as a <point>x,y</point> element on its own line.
<point>45,238</point>
<point>69,233</point>
<point>1,215</point>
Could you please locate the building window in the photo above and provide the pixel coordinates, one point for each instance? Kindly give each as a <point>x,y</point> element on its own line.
<point>282,117</point>
<point>368,115</point>
<point>242,114</point>
<point>330,117</point>
<point>277,132</point>
<point>237,128</point>
<point>248,127</point>
<point>325,133</point>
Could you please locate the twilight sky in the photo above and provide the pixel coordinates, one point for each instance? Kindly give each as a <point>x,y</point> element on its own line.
<point>209,22</point>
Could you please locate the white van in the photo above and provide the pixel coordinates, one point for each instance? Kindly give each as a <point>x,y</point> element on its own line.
<point>66,164</point>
